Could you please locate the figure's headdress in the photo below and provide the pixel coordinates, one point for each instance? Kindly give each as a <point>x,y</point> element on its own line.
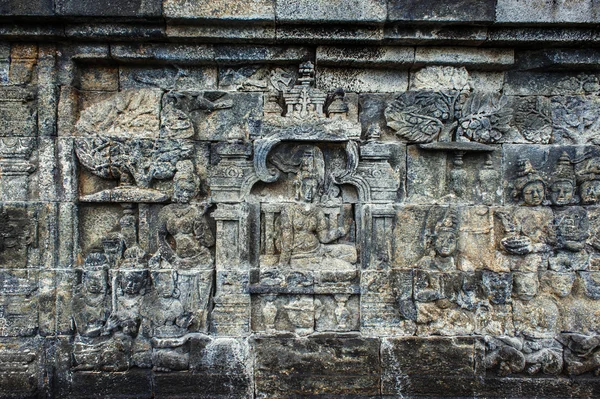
<point>449,223</point>
<point>95,261</point>
<point>527,174</point>
<point>564,170</point>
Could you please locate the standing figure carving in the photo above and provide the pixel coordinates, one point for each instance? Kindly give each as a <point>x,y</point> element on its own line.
<point>184,244</point>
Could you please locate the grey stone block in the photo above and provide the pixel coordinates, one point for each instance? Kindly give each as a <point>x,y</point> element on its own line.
<point>237,10</point>
<point>160,53</point>
<point>442,11</point>
<point>456,35</point>
<point>27,7</point>
<point>384,57</point>
<point>445,367</point>
<point>109,8</point>
<point>319,33</point>
<point>288,368</point>
<point>361,11</point>
<point>232,55</point>
<point>559,60</point>
<point>468,57</point>
<point>575,11</point>
<point>362,80</point>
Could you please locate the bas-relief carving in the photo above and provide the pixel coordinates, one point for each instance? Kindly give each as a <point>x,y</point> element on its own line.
<point>306,229</point>
<point>147,282</point>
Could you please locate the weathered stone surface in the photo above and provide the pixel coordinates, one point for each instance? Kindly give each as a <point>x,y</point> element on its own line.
<point>336,367</point>
<point>565,60</point>
<point>442,11</point>
<point>263,10</point>
<point>386,57</point>
<point>469,57</point>
<point>547,11</point>
<point>146,8</point>
<point>362,11</point>
<point>453,363</point>
<point>28,7</point>
<point>348,199</point>
<point>363,80</point>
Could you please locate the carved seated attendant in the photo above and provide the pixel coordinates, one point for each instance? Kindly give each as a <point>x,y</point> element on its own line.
<point>184,236</point>
<point>91,308</point>
<point>166,321</point>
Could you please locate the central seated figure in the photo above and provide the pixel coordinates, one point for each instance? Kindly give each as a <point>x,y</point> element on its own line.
<point>305,232</point>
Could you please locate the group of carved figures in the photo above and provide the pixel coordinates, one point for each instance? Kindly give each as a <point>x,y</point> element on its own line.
<point>131,309</point>
<point>562,187</point>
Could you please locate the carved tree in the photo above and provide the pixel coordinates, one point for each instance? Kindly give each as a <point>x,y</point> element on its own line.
<point>137,161</point>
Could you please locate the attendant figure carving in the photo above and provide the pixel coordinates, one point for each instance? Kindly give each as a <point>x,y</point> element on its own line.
<point>165,320</point>
<point>184,235</point>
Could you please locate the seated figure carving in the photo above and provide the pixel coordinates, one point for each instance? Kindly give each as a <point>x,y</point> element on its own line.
<point>91,308</point>
<point>307,234</point>
<point>184,236</point>
<point>165,320</point>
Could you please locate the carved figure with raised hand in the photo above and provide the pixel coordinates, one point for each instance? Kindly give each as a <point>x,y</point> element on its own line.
<point>91,309</point>
<point>125,320</point>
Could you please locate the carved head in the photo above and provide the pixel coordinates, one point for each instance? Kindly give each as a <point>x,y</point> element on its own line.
<point>310,177</point>
<point>133,281</point>
<point>446,234</point>
<point>165,283</point>
<point>185,182</point>
<point>94,277</point>
<point>529,185</point>
<point>589,180</point>
<point>525,285</point>
<point>562,189</point>
<point>95,282</point>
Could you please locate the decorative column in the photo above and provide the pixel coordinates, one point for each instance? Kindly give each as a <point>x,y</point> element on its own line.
<point>15,167</point>
<point>234,251</point>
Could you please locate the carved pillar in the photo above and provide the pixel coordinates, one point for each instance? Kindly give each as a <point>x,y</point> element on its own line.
<point>378,225</point>
<point>375,169</point>
<point>229,177</point>
<point>15,167</point>
<point>234,252</point>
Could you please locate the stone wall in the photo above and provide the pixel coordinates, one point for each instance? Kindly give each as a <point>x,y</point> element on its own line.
<point>294,199</point>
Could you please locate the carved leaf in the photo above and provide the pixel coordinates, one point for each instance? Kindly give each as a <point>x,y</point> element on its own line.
<point>94,155</point>
<point>486,118</point>
<point>417,117</point>
<point>533,118</point>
